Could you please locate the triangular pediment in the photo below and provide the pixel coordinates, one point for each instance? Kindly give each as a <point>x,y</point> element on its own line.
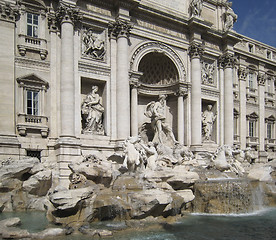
<point>32,79</point>
<point>252,116</point>
<point>271,118</point>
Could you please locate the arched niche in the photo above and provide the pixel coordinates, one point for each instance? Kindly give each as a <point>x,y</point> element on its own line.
<point>157,50</point>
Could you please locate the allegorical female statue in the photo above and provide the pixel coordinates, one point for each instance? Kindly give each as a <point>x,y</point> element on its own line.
<point>208,119</point>
<point>92,111</point>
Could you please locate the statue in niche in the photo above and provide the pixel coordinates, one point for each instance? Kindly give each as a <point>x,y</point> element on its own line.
<point>156,112</point>
<point>208,119</point>
<point>229,17</point>
<point>207,73</point>
<point>196,7</point>
<point>93,45</point>
<point>92,111</point>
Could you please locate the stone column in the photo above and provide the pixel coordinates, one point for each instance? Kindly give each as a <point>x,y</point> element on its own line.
<point>243,72</point>
<point>67,16</point>
<point>195,52</point>
<point>121,29</point>
<point>221,105</point>
<point>134,109</point>
<point>228,64</point>
<point>180,115</point>
<point>262,127</point>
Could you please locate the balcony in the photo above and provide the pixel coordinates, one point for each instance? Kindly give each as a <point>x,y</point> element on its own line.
<point>30,123</point>
<point>269,99</point>
<point>32,44</point>
<point>252,142</point>
<point>270,143</point>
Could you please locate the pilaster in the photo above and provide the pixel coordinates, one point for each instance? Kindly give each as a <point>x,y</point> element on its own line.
<point>242,73</point>
<point>262,133</point>
<point>195,52</point>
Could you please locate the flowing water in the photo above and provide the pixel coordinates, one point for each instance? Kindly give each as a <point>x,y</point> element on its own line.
<point>259,226</point>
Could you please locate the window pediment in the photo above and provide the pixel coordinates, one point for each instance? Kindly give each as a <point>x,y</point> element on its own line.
<point>32,80</point>
<point>252,116</point>
<point>271,119</point>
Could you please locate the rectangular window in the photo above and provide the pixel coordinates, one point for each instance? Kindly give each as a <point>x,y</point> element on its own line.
<point>251,81</point>
<point>32,102</point>
<point>269,130</point>
<point>251,128</point>
<point>32,25</point>
<point>36,154</point>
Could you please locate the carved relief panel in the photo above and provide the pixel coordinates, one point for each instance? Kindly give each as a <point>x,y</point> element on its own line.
<point>208,73</point>
<point>93,44</point>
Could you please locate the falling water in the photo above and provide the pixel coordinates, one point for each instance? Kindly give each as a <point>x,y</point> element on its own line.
<point>228,197</point>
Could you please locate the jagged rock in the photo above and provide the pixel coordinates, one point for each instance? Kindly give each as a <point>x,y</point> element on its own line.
<point>68,199</point>
<point>18,168</point>
<point>150,202</point>
<point>186,194</point>
<point>39,184</point>
<point>15,233</point>
<point>96,233</point>
<point>10,222</point>
<point>49,232</point>
<point>9,184</point>
<point>182,178</point>
<point>99,172</point>
<point>261,173</point>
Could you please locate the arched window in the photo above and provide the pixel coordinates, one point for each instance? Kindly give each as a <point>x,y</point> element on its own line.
<point>158,69</point>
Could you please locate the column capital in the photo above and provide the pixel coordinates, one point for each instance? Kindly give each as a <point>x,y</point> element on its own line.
<point>119,28</point>
<point>68,13</point>
<point>181,92</point>
<point>195,50</point>
<point>261,79</point>
<point>227,60</point>
<point>9,12</point>
<point>243,73</point>
<point>134,84</point>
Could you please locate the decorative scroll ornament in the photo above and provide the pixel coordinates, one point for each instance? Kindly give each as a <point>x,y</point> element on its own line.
<point>68,13</point>
<point>227,60</point>
<point>9,12</point>
<point>261,79</point>
<point>93,45</point>
<point>119,28</point>
<point>195,50</point>
<point>243,73</point>
<point>207,73</point>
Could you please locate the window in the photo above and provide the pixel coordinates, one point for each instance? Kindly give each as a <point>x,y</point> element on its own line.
<point>36,154</point>
<point>251,132</point>
<point>32,102</point>
<point>268,55</point>
<point>251,80</point>
<point>32,25</point>
<point>269,130</point>
<point>250,48</point>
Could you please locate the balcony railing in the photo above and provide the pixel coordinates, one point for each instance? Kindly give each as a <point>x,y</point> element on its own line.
<point>27,43</point>
<point>27,122</point>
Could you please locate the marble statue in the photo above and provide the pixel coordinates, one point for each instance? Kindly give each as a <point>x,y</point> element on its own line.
<point>152,155</point>
<point>93,45</point>
<point>196,7</point>
<point>132,155</point>
<point>229,17</point>
<point>156,112</point>
<point>208,119</point>
<point>92,110</point>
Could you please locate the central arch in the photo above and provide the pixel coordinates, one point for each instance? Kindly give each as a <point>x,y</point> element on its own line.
<point>157,69</point>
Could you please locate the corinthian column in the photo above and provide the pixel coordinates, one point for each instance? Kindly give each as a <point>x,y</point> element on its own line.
<point>228,62</point>
<point>195,52</point>
<point>67,15</point>
<point>180,115</point>
<point>121,29</point>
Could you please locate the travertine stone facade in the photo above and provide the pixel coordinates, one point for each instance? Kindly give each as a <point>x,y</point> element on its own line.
<point>54,52</point>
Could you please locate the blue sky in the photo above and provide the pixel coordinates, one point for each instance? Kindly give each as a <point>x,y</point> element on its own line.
<point>256,19</point>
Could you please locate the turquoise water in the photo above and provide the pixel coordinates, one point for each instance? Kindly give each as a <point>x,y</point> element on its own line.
<point>260,226</point>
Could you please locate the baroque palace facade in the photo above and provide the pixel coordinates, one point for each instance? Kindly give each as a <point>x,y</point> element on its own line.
<point>58,56</point>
